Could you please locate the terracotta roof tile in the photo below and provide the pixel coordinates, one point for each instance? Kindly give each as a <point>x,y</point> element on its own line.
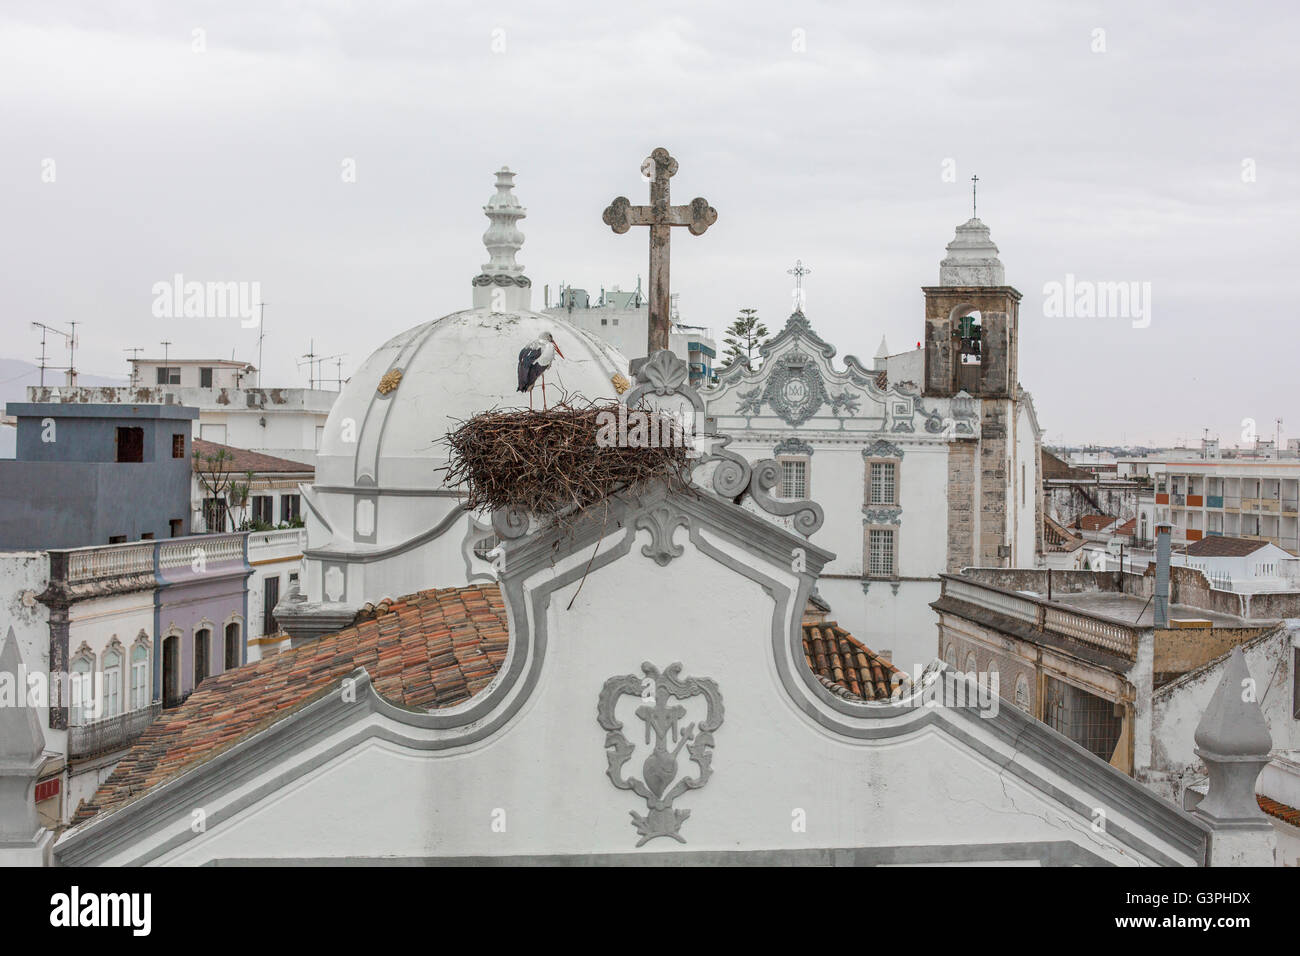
<point>1092,522</point>
<point>244,460</point>
<point>1223,546</point>
<point>838,659</point>
<point>1280,810</point>
<point>430,650</point>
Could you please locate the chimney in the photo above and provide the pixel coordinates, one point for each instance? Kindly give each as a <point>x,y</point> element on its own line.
<point>1161,601</point>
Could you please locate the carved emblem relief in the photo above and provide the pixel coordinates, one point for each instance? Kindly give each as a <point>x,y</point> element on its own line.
<point>392,378</point>
<point>666,700</point>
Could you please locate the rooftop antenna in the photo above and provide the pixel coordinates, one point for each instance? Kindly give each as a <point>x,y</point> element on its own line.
<point>135,355</point>
<point>261,334</point>
<point>974,182</point>
<point>72,356</point>
<point>166,344</point>
<point>68,337</point>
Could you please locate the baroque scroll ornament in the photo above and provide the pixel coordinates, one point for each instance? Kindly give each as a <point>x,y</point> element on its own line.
<point>659,693</point>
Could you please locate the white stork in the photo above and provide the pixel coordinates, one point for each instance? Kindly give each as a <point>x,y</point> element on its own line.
<point>534,359</point>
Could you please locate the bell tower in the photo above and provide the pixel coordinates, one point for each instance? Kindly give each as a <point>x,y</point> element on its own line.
<point>971,321</point>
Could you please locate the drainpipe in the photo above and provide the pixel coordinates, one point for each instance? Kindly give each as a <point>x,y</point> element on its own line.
<point>1161,604</point>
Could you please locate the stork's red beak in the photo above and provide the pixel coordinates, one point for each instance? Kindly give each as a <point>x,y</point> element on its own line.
<point>557,350</point>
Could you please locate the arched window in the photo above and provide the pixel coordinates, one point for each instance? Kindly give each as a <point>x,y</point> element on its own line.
<point>202,645</point>
<point>82,690</point>
<point>971,666</point>
<point>113,681</point>
<point>139,675</point>
<point>1022,693</point>
<point>951,657</point>
<point>233,648</point>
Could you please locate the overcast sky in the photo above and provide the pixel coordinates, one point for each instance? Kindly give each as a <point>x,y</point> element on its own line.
<point>1152,143</point>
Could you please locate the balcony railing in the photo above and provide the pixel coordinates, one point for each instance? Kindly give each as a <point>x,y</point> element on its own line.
<point>96,563</point>
<point>1265,505</point>
<point>213,547</point>
<point>1101,632</point>
<point>1214,501</point>
<point>111,733</point>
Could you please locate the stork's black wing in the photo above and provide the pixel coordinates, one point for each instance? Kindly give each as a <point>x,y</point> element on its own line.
<point>528,367</point>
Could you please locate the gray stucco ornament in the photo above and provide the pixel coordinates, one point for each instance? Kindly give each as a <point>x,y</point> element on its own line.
<point>658,692</point>
<point>795,390</point>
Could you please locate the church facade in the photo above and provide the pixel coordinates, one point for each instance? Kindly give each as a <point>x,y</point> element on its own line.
<point>925,463</point>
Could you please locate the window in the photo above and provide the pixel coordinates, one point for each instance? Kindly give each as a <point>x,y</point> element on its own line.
<point>176,527</point>
<point>202,645</point>
<point>82,691</point>
<point>214,515</point>
<point>205,378</point>
<point>972,666</point>
<point>112,682</point>
<point>883,486</point>
<point>233,650</point>
<point>616,321</point>
<point>264,509</point>
<point>130,444</point>
<point>117,539</point>
<point>139,676</point>
<point>1022,693</point>
<point>169,375</point>
<point>320,433</point>
<point>1022,484</point>
<point>880,553</point>
<point>289,507</point>
<point>178,446</point>
<point>147,536</point>
<point>794,479</point>
<point>270,598</point>
<point>951,657</point>
<point>604,321</point>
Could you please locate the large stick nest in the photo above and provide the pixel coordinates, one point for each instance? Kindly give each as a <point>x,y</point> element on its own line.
<point>548,463</point>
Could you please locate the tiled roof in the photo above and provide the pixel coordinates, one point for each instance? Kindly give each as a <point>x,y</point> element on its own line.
<point>882,380</point>
<point>1128,527</point>
<point>1280,810</point>
<point>429,650</point>
<point>1054,467</point>
<point>1221,546</point>
<point>1056,538</point>
<point>245,460</point>
<point>835,656</point>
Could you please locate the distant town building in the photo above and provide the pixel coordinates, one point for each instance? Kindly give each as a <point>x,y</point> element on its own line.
<point>89,474</point>
<point>233,406</point>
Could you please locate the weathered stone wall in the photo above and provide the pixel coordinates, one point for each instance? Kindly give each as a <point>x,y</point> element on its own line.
<point>994,465</point>
<point>999,317</point>
<point>961,505</point>
<point>1179,650</point>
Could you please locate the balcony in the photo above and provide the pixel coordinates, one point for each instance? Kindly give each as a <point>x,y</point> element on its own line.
<point>111,733</point>
<point>1104,633</point>
<point>1214,501</point>
<point>1195,501</point>
<point>115,561</point>
<point>1261,505</point>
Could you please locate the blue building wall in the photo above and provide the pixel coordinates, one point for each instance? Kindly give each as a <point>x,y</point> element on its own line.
<point>67,490</point>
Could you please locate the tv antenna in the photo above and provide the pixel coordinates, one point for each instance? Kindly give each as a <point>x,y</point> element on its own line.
<point>314,363</point>
<point>71,339</point>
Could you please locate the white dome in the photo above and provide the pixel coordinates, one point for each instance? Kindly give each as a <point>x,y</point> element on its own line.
<point>450,370</point>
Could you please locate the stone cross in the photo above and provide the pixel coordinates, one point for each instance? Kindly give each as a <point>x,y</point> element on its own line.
<point>799,271</point>
<point>660,216</point>
<point>974,182</point>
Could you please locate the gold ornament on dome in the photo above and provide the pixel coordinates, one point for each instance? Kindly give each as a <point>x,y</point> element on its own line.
<point>620,382</point>
<point>392,378</point>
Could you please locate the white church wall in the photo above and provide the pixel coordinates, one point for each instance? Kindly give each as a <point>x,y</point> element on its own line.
<point>782,782</point>
<point>1026,487</point>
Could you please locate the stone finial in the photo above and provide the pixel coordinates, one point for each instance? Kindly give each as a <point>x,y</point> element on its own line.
<point>503,238</point>
<point>972,258</point>
<point>21,740</point>
<point>502,285</point>
<point>22,839</point>
<point>882,354</point>
<point>1233,724</point>
<point>1233,740</point>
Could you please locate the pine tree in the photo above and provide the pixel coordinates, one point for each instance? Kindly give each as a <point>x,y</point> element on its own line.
<point>744,336</point>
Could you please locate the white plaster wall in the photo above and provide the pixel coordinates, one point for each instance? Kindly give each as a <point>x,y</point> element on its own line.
<point>1177,708</point>
<point>543,775</point>
<point>1025,488</point>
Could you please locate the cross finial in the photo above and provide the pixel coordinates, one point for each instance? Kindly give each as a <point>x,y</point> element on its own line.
<point>660,216</point>
<point>974,182</point>
<point>799,271</point>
